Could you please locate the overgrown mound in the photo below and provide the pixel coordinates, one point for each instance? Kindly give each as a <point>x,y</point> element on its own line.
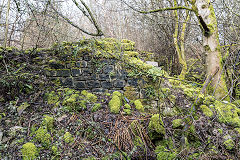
<point>172,120</point>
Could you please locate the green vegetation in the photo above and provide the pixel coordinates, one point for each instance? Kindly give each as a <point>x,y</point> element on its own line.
<point>29,151</point>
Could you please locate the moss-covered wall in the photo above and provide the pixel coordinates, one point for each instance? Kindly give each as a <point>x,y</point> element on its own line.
<point>94,65</point>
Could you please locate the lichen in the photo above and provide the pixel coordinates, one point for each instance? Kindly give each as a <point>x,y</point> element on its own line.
<point>29,151</point>
<point>156,127</point>
<point>68,138</point>
<point>177,123</point>
<point>43,137</point>
<point>227,113</point>
<point>139,105</point>
<point>206,111</point>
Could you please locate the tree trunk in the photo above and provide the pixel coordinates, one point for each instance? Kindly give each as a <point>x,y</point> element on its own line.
<point>207,19</point>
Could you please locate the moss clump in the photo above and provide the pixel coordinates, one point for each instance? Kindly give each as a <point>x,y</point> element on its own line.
<point>68,138</point>
<point>54,150</point>
<point>91,97</point>
<point>164,154</point>
<point>48,122</point>
<point>238,130</point>
<point>206,111</point>
<point>127,111</point>
<point>228,143</point>
<point>177,123</point>
<point>43,137</point>
<point>117,93</point>
<point>130,92</point>
<point>227,113</point>
<point>52,98</point>
<point>156,127</point>
<point>139,105</point>
<point>74,102</point>
<point>115,104</point>
<point>29,151</point>
<point>96,107</point>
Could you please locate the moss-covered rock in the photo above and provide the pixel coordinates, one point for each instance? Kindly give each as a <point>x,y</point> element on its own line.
<point>48,122</point>
<point>96,107</point>
<point>227,113</point>
<point>43,137</point>
<point>68,138</point>
<point>29,151</point>
<point>115,102</point>
<point>52,98</point>
<point>228,142</point>
<point>206,111</point>
<point>177,123</point>
<point>139,105</point>
<point>156,127</point>
<point>54,149</point>
<point>164,154</point>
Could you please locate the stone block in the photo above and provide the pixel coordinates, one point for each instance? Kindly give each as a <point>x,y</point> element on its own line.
<point>66,82</point>
<point>63,73</point>
<point>103,77</point>
<point>108,69</point>
<point>155,64</point>
<point>133,82</point>
<point>56,65</point>
<point>93,84</point>
<point>80,85</point>
<point>81,64</point>
<point>99,90</point>
<point>119,83</point>
<point>80,78</point>
<point>86,71</point>
<point>92,77</point>
<point>76,72</point>
<point>106,85</point>
<point>50,73</point>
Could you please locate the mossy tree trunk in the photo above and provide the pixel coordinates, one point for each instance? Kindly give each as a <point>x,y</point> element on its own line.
<point>181,48</point>
<point>208,22</point>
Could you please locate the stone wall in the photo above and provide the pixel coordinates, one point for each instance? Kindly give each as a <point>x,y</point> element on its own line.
<point>87,73</point>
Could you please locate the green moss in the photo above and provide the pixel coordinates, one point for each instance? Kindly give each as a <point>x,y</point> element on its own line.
<point>156,127</point>
<point>96,107</point>
<point>238,130</point>
<point>164,154</point>
<point>206,111</point>
<point>54,149</point>
<point>84,92</point>
<point>29,151</point>
<point>48,122</point>
<point>43,137</point>
<point>227,113</point>
<point>228,143</point>
<point>127,106</point>
<point>177,123</point>
<point>139,105</point>
<point>127,111</point>
<point>91,97</point>
<point>117,93</point>
<point>220,130</point>
<point>115,104</point>
<point>52,98</point>
<point>131,54</point>
<point>68,138</point>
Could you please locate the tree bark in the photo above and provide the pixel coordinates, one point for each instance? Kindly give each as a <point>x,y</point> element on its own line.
<point>208,22</point>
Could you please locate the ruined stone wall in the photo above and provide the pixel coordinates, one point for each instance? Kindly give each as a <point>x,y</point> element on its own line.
<point>87,73</point>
